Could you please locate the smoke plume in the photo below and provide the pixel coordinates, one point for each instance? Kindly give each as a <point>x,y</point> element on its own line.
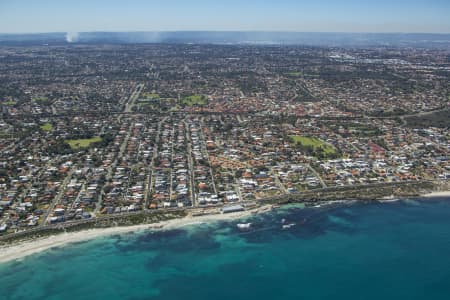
<point>72,37</point>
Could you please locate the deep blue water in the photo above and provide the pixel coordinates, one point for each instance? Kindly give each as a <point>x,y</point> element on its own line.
<point>398,250</point>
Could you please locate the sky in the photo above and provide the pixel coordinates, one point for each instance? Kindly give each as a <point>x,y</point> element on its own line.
<point>32,16</point>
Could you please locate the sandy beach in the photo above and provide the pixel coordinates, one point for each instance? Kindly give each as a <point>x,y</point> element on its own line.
<point>437,194</point>
<point>29,247</point>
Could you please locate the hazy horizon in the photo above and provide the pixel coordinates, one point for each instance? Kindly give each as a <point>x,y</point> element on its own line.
<point>225,31</point>
<point>427,40</point>
<point>348,16</point>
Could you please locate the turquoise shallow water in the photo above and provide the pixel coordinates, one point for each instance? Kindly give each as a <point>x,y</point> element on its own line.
<point>397,250</point>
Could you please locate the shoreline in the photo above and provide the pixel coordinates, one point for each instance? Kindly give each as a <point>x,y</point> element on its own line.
<point>26,248</point>
<point>22,249</point>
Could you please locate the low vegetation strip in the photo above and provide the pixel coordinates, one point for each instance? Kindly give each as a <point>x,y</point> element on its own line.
<point>295,74</point>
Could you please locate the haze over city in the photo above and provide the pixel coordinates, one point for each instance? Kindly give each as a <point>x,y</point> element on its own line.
<point>418,16</point>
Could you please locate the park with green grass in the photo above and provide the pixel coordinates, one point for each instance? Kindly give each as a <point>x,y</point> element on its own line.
<point>83,143</point>
<point>194,100</point>
<point>47,127</point>
<point>314,146</point>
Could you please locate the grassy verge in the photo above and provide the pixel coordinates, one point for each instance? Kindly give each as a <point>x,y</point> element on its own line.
<point>40,98</point>
<point>150,95</point>
<point>295,74</point>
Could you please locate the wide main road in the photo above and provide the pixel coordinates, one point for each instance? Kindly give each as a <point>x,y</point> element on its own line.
<point>129,105</point>
<point>57,198</point>
<point>136,93</point>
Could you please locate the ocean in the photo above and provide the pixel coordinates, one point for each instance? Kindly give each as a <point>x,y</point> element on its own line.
<point>395,250</point>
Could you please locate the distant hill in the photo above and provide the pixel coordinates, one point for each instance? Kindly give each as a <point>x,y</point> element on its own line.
<point>228,37</point>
